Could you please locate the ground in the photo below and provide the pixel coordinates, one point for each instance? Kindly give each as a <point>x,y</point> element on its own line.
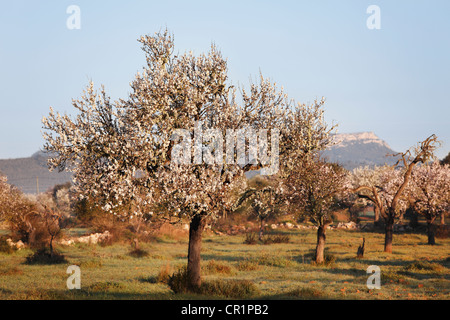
<point>414,270</point>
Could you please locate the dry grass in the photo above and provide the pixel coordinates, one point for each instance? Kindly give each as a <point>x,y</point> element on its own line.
<point>414,270</point>
<point>214,267</point>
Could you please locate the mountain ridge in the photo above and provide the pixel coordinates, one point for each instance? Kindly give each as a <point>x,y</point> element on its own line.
<point>32,174</point>
<point>359,149</point>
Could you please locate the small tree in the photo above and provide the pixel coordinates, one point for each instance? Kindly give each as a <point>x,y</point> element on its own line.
<point>390,195</point>
<point>35,221</point>
<point>430,193</point>
<point>265,203</point>
<point>303,177</point>
<point>17,211</point>
<point>313,187</point>
<point>49,221</point>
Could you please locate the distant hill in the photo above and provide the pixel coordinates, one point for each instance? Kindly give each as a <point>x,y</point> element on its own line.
<point>353,150</point>
<point>29,174</point>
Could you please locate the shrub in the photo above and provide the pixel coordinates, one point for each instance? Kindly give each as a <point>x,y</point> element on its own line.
<point>329,259</point>
<point>276,239</point>
<point>237,289</point>
<point>214,267</point>
<point>162,277</point>
<point>306,293</point>
<point>424,266</point>
<point>105,286</point>
<point>33,220</point>
<point>227,288</point>
<point>250,238</point>
<point>247,265</point>
<point>387,277</point>
<point>178,281</point>
<point>44,256</point>
<point>138,253</point>
<point>19,218</point>
<point>164,274</point>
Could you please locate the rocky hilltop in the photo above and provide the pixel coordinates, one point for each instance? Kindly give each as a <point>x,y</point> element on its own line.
<point>352,150</point>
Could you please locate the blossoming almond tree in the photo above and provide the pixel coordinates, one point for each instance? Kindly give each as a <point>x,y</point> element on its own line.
<point>391,195</point>
<point>121,152</point>
<point>313,187</point>
<point>430,193</point>
<point>306,181</point>
<point>264,203</point>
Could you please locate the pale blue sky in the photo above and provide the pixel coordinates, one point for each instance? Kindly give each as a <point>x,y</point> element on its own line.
<point>394,81</point>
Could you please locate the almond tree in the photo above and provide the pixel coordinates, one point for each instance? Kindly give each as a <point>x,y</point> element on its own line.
<point>313,187</point>
<point>29,218</point>
<point>305,181</point>
<point>16,210</point>
<point>126,152</point>
<point>370,177</point>
<point>121,152</point>
<point>264,203</point>
<point>390,196</point>
<point>430,193</point>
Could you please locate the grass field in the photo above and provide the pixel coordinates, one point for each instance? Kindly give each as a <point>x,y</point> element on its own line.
<point>280,271</point>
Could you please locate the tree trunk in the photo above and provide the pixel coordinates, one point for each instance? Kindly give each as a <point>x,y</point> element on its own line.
<point>413,218</point>
<point>320,248</point>
<point>431,231</point>
<point>195,245</point>
<point>51,247</point>
<point>389,232</point>
<point>261,230</point>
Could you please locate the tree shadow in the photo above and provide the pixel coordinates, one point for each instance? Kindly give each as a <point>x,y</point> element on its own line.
<point>424,276</point>
<point>217,257</point>
<point>370,262</point>
<point>84,294</point>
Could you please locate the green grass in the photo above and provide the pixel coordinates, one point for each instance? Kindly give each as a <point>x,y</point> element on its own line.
<point>279,271</point>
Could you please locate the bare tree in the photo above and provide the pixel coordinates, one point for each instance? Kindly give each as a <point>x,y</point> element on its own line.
<point>48,220</point>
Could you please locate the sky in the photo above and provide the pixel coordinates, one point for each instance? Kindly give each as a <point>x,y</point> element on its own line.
<point>393,81</point>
